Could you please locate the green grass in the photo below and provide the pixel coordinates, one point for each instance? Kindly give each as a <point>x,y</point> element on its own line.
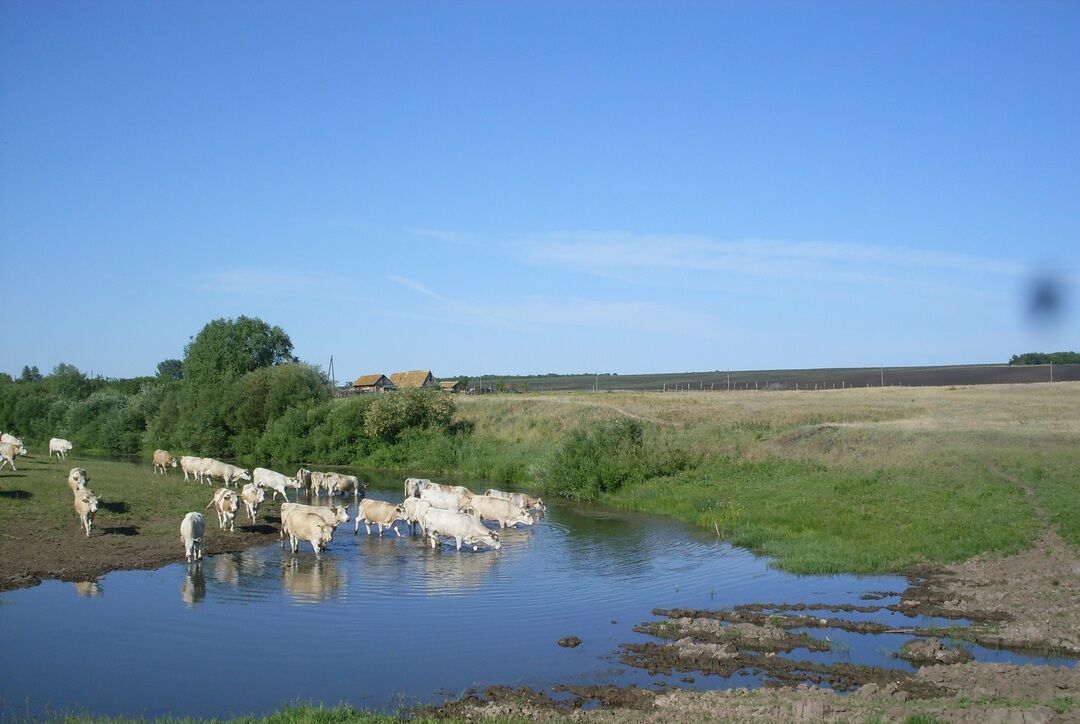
<point>1052,475</point>
<point>816,520</point>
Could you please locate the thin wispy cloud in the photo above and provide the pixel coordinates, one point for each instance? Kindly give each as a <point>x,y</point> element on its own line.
<point>609,253</point>
<point>519,315</point>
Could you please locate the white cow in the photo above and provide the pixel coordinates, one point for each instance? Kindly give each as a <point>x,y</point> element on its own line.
<point>8,437</point>
<point>345,484</point>
<point>461,527</point>
<point>501,511</point>
<point>86,505</point>
<point>229,474</point>
<point>334,516</point>
<point>191,534</point>
<point>413,486</point>
<point>252,495</point>
<point>60,446</point>
<point>377,512</point>
<point>196,466</point>
<point>162,461</point>
<point>275,481</point>
<point>226,505</point>
<point>312,529</point>
<point>522,500</point>
<point>77,478</point>
<point>8,452</point>
<point>444,500</point>
<point>414,510</point>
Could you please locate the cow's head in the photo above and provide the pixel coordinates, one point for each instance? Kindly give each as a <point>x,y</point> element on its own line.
<point>243,475</point>
<point>293,483</point>
<point>341,513</point>
<point>90,501</point>
<point>326,534</point>
<point>174,462</point>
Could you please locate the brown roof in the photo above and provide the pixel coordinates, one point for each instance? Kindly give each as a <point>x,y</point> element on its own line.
<point>413,378</point>
<point>449,384</point>
<point>369,380</point>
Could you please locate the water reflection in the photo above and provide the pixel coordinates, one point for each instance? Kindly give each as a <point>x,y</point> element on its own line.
<point>226,569</point>
<point>193,589</point>
<point>600,544</point>
<point>310,580</point>
<point>87,589</point>
<point>451,571</point>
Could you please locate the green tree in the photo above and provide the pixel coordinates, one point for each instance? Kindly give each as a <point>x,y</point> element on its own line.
<point>392,413</point>
<point>170,369</point>
<point>30,374</point>
<point>226,349</point>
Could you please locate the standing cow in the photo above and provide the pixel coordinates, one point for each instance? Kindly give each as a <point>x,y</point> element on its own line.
<point>226,504</point>
<point>191,533</point>
<point>163,460</point>
<point>60,446</point>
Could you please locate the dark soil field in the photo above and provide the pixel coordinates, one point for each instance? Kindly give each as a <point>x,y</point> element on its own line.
<point>811,379</point>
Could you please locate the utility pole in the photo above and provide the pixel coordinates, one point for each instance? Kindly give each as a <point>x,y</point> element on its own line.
<point>331,370</point>
<point>1051,370</point>
<point>729,380</point>
<point>883,375</point>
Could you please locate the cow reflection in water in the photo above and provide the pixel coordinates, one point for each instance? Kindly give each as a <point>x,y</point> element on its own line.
<point>87,589</point>
<point>450,570</point>
<point>194,588</point>
<point>310,580</point>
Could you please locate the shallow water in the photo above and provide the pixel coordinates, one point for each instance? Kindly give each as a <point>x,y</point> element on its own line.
<point>382,622</point>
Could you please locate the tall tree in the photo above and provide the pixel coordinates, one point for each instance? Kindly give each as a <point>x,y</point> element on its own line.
<point>170,369</point>
<point>225,349</point>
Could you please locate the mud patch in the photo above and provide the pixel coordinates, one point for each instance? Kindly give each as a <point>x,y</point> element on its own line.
<point>932,651</point>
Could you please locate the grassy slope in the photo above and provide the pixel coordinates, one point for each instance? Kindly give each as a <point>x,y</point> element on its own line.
<point>864,480</point>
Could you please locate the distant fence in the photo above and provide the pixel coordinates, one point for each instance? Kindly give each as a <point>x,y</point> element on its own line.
<point>802,380</point>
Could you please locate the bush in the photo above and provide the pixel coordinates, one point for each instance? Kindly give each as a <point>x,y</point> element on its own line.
<point>391,414</point>
<point>598,459</point>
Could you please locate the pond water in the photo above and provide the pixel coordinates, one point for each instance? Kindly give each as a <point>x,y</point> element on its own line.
<point>386,622</point>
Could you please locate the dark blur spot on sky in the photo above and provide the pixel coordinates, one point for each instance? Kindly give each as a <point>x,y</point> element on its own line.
<point>1045,299</point>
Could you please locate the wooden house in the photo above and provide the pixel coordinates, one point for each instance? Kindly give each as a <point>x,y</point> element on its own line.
<point>372,383</point>
<point>452,385</point>
<point>415,378</point>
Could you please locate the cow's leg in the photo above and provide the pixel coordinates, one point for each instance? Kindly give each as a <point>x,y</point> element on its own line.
<point>394,528</point>
<point>4,462</point>
<point>458,542</point>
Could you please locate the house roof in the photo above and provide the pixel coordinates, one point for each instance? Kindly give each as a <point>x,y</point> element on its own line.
<point>450,384</point>
<point>413,378</point>
<point>369,380</point>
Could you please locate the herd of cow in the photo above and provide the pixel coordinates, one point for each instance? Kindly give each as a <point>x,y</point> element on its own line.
<point>449,511</point>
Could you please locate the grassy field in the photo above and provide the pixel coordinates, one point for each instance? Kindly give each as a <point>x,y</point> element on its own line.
<point>854,480</point>
<point>859,480</point>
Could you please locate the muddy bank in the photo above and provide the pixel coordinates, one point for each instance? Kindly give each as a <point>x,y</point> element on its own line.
<point>30,554</point>
<point>1026,602</point>
<point>966,693</point>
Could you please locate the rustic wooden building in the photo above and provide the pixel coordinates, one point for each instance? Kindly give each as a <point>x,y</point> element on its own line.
<point>452,386</point>
<point>372,383</point>
<point>414,378</point>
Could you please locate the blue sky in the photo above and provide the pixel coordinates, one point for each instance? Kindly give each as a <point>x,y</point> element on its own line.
<point>539,187</point>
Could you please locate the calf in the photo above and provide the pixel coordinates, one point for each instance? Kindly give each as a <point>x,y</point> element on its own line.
<point>86,505</point>
<point>459,526</point>
<point>379,513</point>
<point>252,495</point>
<point>162,461</point>
<point>8,452</point>
<point>60,446</point>
<point>191,534</point>
<point>275,481</point>
<point>77,478</point>
<point>225,503</point>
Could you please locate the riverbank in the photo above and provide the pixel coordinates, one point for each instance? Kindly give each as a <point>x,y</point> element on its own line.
<point>137,524</point>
